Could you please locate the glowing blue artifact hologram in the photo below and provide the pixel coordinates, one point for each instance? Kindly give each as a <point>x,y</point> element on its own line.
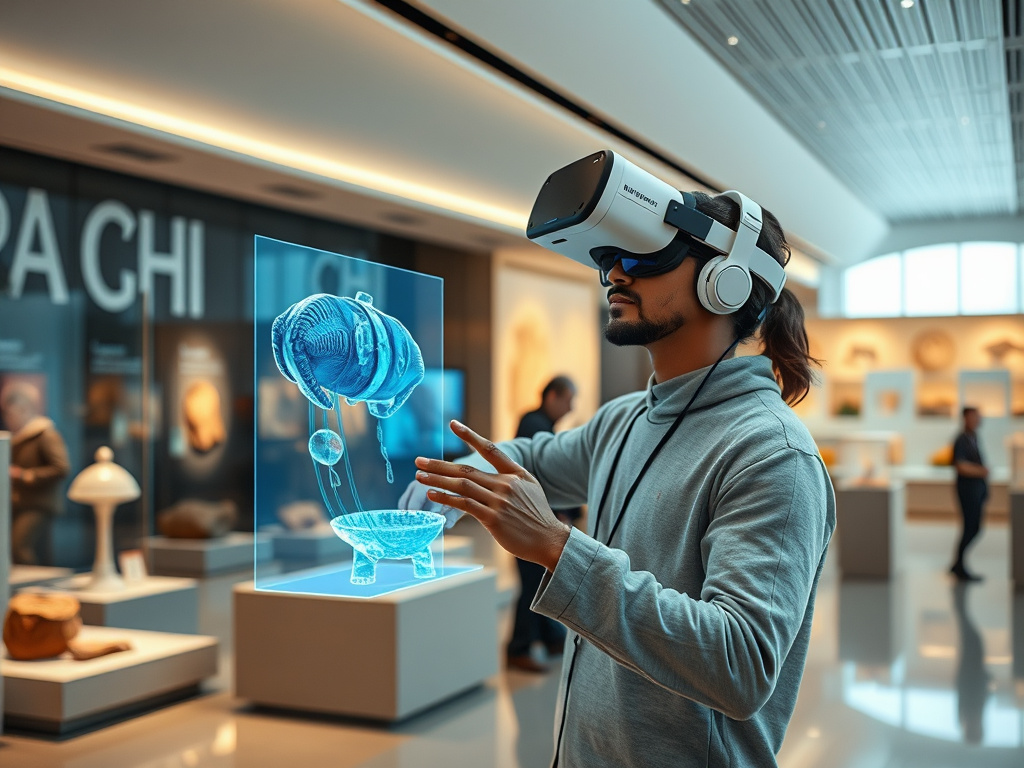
<point>334,347</point>
<point>397,534</point>
<point>325,447</point>
<point>348,347</point>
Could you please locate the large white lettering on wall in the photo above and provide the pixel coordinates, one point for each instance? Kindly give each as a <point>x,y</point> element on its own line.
<point>36,251</point>
<point>37,224</point>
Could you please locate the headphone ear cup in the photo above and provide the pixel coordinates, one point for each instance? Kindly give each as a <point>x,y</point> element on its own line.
<point>704,289</point>
<point>723,288</point>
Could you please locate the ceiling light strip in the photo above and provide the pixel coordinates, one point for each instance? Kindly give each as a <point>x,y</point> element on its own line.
<point>267,151</point>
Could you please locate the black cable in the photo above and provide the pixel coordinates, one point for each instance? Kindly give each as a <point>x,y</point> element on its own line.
<point>618,521</point>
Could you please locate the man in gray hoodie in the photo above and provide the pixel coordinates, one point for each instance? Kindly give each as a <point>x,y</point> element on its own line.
<point>689,599</point>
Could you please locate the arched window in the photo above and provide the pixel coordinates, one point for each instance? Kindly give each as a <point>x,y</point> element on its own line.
<point>978,278</point>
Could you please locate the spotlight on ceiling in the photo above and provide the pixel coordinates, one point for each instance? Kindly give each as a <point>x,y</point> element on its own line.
<point>733,40</point>
<point>907,3</point>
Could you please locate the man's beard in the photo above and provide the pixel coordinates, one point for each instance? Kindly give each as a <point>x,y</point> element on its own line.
<point>640,333</point>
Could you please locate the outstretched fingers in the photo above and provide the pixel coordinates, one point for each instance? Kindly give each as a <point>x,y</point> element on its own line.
<point>470,506</point>
<point>463,486</point>
<point>487,449</point>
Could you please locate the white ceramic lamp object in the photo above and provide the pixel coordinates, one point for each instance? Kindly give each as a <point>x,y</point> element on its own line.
<point>103,486</point>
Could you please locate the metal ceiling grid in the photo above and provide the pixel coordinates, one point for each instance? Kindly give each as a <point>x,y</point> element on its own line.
<point>907,105</point>
<point>1013,31</point>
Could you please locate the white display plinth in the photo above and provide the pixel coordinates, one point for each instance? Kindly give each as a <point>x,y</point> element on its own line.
<point>869,529</point>
<point>35,575</point>
<point>382,658</point>
<point>1017,538</point>
<point>205,557</point>
<point>62,695</point>
<point>159,603</point>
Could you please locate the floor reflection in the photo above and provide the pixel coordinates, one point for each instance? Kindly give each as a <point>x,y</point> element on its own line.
<point>913,673</point>
<point>971,677</point>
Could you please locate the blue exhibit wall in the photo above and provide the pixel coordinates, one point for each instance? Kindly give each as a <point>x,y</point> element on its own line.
<point>78,247</point>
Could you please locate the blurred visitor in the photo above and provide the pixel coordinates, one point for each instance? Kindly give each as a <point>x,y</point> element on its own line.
<point>39,461</point>
<point>529,627</point>
<point>971,488</point>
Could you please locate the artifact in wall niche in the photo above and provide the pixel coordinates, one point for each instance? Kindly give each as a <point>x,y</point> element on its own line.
<point>40,625</point>
<point>933,350</point>
<point>1002,348</point>
<point>197,519</point>
<point>334,347</point>
<point>389,534</point>
<point>862,354</point>
<point>203,417</point>
<point>889,402</point>
<point>942,457</point>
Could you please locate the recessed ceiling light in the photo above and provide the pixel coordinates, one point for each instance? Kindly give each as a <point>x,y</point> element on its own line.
<point>685,2</point>
<point>292,191</point>
<point>733,40</point>
<point>821,125</point>
<point>907,3</point>
<point>136,152</point>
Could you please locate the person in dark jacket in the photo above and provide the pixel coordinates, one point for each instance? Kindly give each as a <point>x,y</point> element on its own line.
<point>971,488</point>
<point>39,461</point>
<point>529,627</point>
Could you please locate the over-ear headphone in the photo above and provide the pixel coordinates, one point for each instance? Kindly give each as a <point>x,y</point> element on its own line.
<point>724,283</point>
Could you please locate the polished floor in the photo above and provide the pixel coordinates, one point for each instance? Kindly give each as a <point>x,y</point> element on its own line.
<point>919,672</point>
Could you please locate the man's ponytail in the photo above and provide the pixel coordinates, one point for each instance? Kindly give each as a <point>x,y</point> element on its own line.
<point>781,324</point>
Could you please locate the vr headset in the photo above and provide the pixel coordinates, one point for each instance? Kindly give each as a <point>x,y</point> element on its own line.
<point>604,209</point>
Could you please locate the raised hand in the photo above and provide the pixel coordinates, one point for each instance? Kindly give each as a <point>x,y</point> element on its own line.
<point>510,504</point>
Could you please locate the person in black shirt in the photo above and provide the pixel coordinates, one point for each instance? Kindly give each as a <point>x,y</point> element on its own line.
<point>529,627</point>
<point>971,487</point>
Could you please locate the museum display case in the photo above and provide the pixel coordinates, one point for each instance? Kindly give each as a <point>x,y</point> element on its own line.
<point>866,458</point>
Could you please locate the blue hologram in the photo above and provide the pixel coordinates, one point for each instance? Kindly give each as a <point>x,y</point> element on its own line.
<point>392,534</point>
<point>350,348</point>
<point>335,580</point>
<point>325,448</point>
<point>348,465</point>
<point>384,453</point>
<point>334,347</point>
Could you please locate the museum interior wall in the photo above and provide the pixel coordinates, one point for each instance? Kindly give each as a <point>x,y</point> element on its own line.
<point>131,313</point>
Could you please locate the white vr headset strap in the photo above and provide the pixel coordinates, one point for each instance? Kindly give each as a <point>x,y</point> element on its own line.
<point>725,282</point>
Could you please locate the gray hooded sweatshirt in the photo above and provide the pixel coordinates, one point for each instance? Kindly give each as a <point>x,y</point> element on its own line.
<point>693,625</point>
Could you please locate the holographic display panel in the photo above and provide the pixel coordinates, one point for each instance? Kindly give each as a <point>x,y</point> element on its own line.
<point>342,349</point>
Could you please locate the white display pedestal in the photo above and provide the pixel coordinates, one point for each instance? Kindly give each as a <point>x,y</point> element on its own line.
<point>205,557</point>
<point>159,604</point>
<point>382,658</point>
<point>63,695</point>
<point>35,575</point>
<point>1017,538</point>
<point>869,529</point>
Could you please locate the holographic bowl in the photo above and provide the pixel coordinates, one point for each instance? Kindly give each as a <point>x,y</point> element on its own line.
<point>389,534</point>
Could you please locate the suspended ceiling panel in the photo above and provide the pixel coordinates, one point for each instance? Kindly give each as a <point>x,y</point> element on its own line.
<point>906,101</point>
<point>1013,25</point>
